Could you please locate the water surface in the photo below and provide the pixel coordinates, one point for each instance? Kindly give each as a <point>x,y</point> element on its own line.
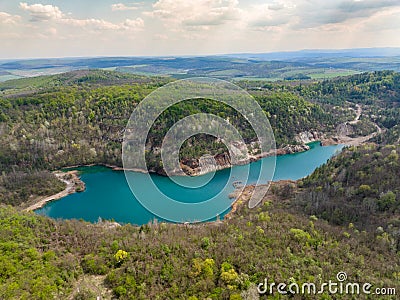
<point>108,195</point>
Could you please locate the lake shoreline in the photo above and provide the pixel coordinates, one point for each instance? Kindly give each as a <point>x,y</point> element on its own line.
<point>75,181</point>
<point>73,185</point>
<point>244,196</point>
<point>288,149</point>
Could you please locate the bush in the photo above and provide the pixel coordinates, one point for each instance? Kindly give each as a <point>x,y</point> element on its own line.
<point>386,201</point>
<point>93,264</point>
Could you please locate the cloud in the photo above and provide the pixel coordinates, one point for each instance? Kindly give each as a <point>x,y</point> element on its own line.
<point>6,18</point>
<point>383,21</point>
<point>370,6</point>
<point>99,24</point>
<point>198,26</point>
<point>301,14</point>
<point>270,21</point>
<point>195,13</point>
<point>51,31</point>
<point>314,13</point>
<point>215,17</point>
<point>276,6</point>
<point>350,9</point>
<point>121,6</point>
<point>136,24</point>
<point>276,14</point>
<point>311,14</point>
<point>40,12</point>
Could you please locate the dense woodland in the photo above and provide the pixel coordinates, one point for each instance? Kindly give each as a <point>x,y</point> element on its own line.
<point>44,259</point>
<point>359,186</point>
<point>78,118</point>
<point>84,123</point>
<point>343,217</point>
<point>81,118</point>
<point>18,187</point>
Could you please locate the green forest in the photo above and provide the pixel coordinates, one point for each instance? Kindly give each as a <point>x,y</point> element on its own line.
<point>79,118</point>
<point>343,217</point>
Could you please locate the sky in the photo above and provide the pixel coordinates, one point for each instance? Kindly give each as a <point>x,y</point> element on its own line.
<point>55,28</point>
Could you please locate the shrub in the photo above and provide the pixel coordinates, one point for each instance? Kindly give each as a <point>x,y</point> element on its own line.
<point>120,256</point>
<point>92,264</point>
<point>205,242</point>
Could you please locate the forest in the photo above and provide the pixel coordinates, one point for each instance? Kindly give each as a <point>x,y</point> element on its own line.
<point>43,258</point>
<point>343,217</point>
<point>360,186</point>
<point>79,118</point>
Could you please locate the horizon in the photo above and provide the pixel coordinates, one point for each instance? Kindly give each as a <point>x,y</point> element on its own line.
<point>165,28</point>
<point>306,50</point>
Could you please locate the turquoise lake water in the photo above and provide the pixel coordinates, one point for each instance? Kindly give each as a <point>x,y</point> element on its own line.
<point>108,195</point>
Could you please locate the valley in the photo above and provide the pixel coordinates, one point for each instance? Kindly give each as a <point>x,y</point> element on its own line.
<point>200,150</point>
<point>317,218</point>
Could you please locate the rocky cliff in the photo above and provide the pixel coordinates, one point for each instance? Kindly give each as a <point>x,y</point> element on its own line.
<point>306,137</point>
<point>290,149</point>
<point>221,161</point>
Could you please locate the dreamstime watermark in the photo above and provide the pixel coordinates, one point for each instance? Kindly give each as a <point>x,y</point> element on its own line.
<point>338,287</point>
<point>136,144</point>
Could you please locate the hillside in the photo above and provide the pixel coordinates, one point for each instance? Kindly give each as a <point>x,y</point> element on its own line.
<point>315,64</point>
<point>343,217</point>
<point>80,118</point>
<point>360,186</point>
<point>221,260</point>
<point>43,258</point>
<point>23,86</point>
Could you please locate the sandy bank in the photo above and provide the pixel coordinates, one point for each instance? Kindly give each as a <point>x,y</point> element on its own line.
<point>73,184</point>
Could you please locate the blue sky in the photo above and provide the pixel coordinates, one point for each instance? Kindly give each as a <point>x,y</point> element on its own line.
<point>55,28</point>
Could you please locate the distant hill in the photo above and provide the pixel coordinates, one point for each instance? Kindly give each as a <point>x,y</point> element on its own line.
<point>312,64</point>
<point>71,78</point>
<point>318,53</point>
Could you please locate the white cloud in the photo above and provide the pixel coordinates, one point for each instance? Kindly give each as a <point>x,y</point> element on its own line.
<point>136,24</point>
<point>313,13</point>
<point>40,12</point>
<point>121,6</point>
<point>198,26</point>
<point>52,31</point>
<point>195,13</point>
<point>369,6</point>
<point>6,18</point>
<point>270,15</point>
<point>99,24</point>
<point>385,20</point>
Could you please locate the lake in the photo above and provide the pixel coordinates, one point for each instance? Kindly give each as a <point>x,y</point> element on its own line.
<point>108,195</point>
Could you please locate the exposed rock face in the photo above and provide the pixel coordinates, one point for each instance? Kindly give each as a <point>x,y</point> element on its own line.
<point>208,164</point>
<point>290,149</point>
<point>308,137</point>
<point>330,141</point>
<point>191,163</point>
<point>194,167</point>
<point>222,161</point>
<point>344,129</point>
<point>189,166</point>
